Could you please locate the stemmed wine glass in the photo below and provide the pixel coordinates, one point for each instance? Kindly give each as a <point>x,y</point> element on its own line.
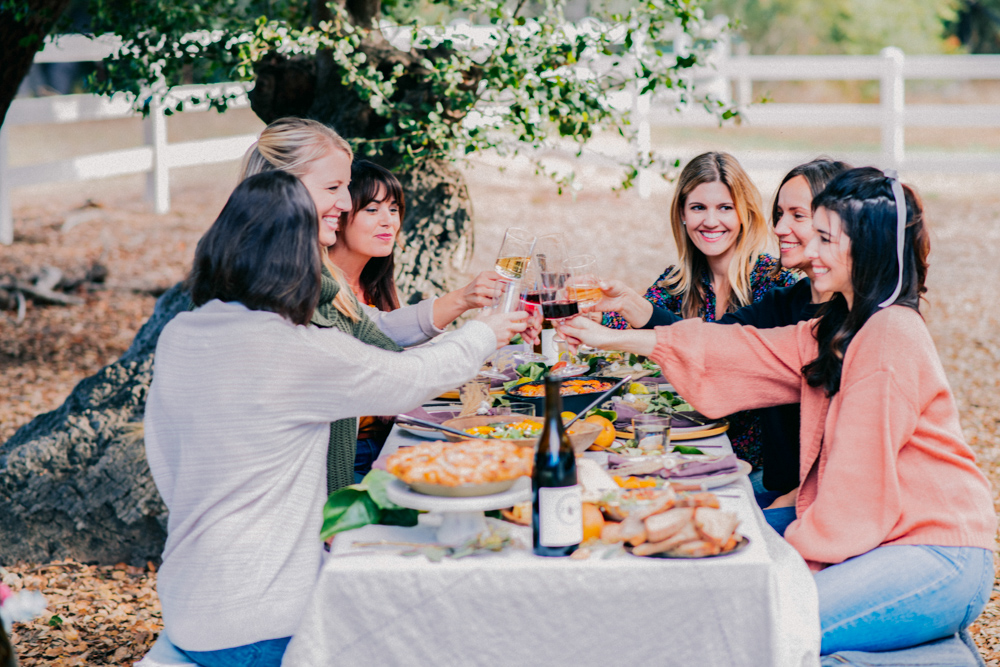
<point>558,297</point>
<point>585,287</point>
<point>515,253</point>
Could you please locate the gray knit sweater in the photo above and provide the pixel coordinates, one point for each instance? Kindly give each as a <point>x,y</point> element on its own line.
<point>344,432</point>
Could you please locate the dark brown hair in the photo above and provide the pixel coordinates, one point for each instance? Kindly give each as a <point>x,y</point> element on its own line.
<point>368,181</point>
<point>262,251</point>
<point>864,202</point>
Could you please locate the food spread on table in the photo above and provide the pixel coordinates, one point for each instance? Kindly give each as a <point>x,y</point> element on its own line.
<point>569,387</point>
<point>458,463</point>
<point>522,430</point>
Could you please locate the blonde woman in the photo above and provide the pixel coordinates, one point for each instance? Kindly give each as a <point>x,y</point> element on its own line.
<point>717,218</point>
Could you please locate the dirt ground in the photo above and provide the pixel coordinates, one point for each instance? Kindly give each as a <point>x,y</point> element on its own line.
<point>110,615</point>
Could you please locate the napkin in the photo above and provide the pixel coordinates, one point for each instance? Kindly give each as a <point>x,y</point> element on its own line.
<point>686,468</point>
<point>511,375</point>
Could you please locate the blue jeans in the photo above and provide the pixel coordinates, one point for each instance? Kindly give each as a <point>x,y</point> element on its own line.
<point>367,451</point>
<point>898,596</point>
<point>778,518</point>
<point>267,653</point>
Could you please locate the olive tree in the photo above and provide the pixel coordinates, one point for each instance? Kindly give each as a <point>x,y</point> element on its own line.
<point>413,97</point>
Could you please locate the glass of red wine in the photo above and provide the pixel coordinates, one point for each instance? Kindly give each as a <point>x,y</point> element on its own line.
<point>558,298</point>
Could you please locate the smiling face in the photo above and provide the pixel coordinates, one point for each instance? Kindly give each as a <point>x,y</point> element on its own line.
<point>372,231</point>
<point>711,220</point>
<point>830,253</point>
<point>326,178</point>
<point>794,223</point>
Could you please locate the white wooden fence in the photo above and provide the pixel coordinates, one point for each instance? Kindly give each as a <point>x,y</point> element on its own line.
<point>726,73</point>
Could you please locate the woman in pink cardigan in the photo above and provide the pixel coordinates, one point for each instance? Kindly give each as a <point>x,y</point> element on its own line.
<point>892,513</point>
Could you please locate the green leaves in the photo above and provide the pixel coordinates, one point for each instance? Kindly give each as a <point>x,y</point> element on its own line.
<point>362,504</point>
<point>533,80</point>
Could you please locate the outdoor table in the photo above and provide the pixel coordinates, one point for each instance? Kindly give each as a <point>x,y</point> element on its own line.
<point>757,607</point>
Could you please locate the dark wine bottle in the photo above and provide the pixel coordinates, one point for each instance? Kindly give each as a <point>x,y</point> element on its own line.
<point>556,508</point>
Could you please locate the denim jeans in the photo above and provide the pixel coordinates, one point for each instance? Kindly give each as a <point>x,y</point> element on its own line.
<point>267,653</point>
<point>367,451</point>
<point>898,596</point>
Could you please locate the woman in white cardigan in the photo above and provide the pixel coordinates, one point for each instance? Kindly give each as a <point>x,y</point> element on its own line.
<point>238,416</point>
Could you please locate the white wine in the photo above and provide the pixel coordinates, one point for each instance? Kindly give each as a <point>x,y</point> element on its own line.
<point>557,503</point>
<point>512,267</point>
<point>584,294</point>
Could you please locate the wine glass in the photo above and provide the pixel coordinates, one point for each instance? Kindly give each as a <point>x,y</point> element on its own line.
<point>558,303</point>
<point>585,288</point>
<point>531,292</point>
<point>515,253</point>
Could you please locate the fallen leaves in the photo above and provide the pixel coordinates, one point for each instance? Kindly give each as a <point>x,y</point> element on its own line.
<point>97,615</point>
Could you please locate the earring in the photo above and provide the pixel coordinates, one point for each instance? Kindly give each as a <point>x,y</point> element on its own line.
<point>684,222</point>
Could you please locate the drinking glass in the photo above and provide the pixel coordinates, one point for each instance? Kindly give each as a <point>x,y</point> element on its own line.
<point>651,432</point>
<point>515,253</point>
<point>525,409</point>
<point>585,288</point>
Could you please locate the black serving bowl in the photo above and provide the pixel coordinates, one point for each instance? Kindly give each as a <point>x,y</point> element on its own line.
<point>571,402</point>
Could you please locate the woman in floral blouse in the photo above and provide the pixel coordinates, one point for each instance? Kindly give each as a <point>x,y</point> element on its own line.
<point>718,222</point>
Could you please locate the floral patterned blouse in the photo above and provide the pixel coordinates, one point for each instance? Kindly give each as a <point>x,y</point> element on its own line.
<point>744,427</point>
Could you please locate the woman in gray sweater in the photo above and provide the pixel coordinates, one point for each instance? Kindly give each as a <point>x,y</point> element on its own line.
<point>237,421</point>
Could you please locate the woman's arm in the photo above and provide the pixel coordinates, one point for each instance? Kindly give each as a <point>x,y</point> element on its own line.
<point>724,369</point>
<point>348,378</point>
<point>477,294</point>
<point>407,326</point>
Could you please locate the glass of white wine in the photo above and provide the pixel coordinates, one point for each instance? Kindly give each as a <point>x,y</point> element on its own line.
<point>515,253</point>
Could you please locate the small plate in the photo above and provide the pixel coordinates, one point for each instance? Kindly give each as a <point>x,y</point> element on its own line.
<point>743,543</point>
<point>462,490</point>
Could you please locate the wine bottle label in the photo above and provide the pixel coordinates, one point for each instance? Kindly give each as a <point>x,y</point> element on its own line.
<point>560,515</point>
<point>549,348</point>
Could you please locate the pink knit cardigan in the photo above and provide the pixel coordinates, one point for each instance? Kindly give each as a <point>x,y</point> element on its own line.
<point>883,462</point>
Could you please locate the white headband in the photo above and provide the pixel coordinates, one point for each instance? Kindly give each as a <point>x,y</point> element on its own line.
<point>900,197</point>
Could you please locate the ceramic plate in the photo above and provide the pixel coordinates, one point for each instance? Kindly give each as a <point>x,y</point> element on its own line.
<point>740,546</point>
<point>711,481</point>
<point>463,490</point>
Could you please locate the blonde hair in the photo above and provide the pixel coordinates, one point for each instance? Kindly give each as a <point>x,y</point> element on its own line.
<point>753,238</point>
<point>292,144</point>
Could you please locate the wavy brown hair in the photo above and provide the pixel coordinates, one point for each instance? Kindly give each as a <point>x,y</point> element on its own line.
<point>864,202</point>
<point>753,239</point>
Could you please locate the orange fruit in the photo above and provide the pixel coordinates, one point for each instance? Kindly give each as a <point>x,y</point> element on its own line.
<point>593,522</point>
<point>606,437</point>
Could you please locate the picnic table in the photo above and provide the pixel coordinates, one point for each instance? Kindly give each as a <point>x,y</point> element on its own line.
<point>757,607</point>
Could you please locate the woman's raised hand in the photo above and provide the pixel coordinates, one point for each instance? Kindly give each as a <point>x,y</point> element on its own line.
<point>481,291</point>
<point>618,297</point>
<point>582,330</point>
<point>504,325</point>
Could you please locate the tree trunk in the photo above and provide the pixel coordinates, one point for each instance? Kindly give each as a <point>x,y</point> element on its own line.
<point>20,39</point>
<point>74,482</point>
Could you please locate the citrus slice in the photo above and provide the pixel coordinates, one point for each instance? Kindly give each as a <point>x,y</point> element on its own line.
<point>637,388</point>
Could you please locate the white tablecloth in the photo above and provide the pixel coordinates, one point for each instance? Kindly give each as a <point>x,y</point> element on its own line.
<point>756,608</point>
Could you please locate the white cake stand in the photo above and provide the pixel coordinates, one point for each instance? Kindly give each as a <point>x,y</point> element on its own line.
<point>462,519</point>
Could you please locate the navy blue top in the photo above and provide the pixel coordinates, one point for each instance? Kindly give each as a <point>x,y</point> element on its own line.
<point>780,307</point>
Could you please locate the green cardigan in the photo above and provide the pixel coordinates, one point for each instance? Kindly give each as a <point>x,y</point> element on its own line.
<point>344,432</point>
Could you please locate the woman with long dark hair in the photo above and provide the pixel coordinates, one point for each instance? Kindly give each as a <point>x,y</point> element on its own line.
<point>238,419</point>
<point>892,513</point>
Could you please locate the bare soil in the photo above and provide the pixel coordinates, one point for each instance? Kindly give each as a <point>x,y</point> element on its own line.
<point>110,615</point>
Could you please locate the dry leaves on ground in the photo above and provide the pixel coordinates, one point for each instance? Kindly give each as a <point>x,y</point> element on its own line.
<point>97,615</point>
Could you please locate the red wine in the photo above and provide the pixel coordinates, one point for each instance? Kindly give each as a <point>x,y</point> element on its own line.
<point>556,507</point>
<point>557,310</point>
<point>532,297</point>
